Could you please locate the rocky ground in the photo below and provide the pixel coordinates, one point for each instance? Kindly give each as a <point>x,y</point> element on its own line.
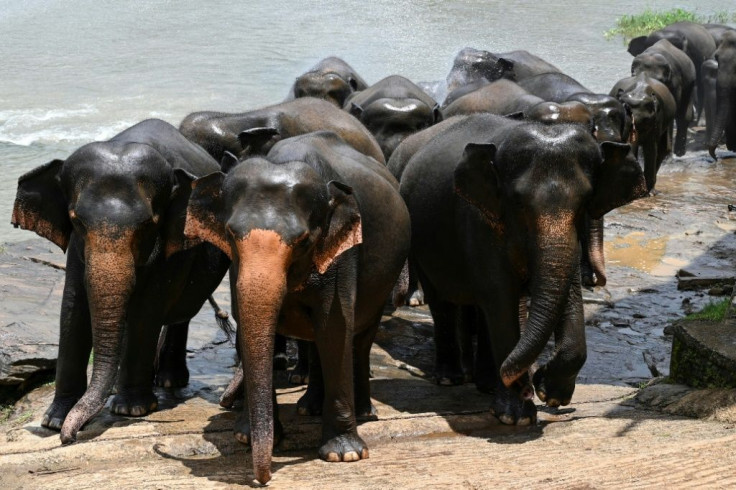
<point>623,427</point>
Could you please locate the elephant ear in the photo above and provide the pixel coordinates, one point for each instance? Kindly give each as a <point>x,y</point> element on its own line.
<point>638,45</point>
<point>353,83</point>
<point>505,69</point>
<point>477,181</point>
<point>228,161</point>
<point>176,214</point>
<point>345,227</point>
<point>40,205</point>
<point>618,180</point>
<point>205,213</point>
<point>257,141</point>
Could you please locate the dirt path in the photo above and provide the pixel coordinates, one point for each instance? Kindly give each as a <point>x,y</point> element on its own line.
<point>438,437</point>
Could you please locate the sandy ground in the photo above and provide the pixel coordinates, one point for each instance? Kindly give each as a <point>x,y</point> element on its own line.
<point>614,434</point>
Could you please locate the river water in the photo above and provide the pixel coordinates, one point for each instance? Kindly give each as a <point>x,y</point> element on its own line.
<point>75,71</point>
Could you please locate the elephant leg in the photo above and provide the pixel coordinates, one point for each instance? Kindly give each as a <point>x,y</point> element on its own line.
<point>555,381</point>
<point>241,429</point>
<point>334,332</point>
<point>300,374</point>
<point>135,395</point>
<point>75,343</point>
<point>485,372</point>
<point>171,358</point>
<point>280,359</point>
<point>511,405</point>
<point>312,401</point>
<point>448,369</point>
<point>415,294</point>
<point>364,409</point>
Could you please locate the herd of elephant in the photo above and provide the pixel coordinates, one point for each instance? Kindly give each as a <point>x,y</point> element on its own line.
<point>333,202</point>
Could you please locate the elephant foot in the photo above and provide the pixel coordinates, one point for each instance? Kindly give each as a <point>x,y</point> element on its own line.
<point>310,403</point>
<point>451,376</point>
<point>345,447</point>
<point>416,298</point>
<point>57,412</point>
<point>299,376</point>
<point>133,404</point>
<point>553,390</point>
<point>172,375</point>
<point>514,406</point>
<point>241,430</point>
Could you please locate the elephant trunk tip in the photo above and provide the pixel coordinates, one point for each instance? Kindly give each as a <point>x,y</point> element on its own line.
<point>510,375</point>
<point>712,152</point>
<point>600,280</point>
<point>263,476</point>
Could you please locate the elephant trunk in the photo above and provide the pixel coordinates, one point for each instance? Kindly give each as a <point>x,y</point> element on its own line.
<point>110,278</point>
<point>261,287</point>
<point>556,256</point>
<point>722,116</point>
<point>595,251</point>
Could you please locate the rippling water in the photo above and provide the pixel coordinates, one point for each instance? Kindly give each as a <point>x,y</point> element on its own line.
<point>75,71</point>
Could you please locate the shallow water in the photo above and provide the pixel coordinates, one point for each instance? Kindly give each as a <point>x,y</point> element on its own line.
<point>75,71</point>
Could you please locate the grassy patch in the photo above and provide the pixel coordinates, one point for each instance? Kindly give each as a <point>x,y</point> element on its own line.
<point>714,311</point>
<point>631,26</point>
<point>5,412</point>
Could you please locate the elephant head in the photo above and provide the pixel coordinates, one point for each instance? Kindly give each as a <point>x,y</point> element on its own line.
<point>610,120</point>
<point>539,183</point>
<point>653,64</point>
<point>472,64</point>
<point>280,224</point>
<point>725,117</point>
<point>328,86</point>
<point>553,112</point>
<point>112,200</point>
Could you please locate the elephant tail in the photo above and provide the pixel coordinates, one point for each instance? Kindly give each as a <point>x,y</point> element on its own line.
<point>401,288</point>
<point>223,319</point>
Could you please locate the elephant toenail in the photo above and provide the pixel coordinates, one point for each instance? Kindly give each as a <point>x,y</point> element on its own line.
<point>350,456</point>
<point>364,454</point>
<point>243,438</point>
<point>302,411</point>
<point>541,395</point>
<point>553,402</point>
<point>507,419</point>
<point>524,421</point>
<point>333,457</point>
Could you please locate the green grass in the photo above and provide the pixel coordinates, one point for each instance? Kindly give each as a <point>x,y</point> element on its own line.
<point>5,412</point>
<point>714,311</point>
<point>631,26</point>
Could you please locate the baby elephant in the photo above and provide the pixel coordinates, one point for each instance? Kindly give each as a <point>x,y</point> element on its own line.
<point>318,235</point>
<point>332,79</point>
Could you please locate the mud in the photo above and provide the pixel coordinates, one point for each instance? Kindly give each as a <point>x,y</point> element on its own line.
<point>616,432</point>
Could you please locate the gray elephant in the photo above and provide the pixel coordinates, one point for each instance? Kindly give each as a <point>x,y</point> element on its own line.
<point>255,132</point>
<point>504,97</point>
<point>668,64</point>
<point>653,113</point>
<point>717,31</point>
<point>725,117</point>
<point>471,65</point>
<point>692,38</point>
<point>116,209</point>
<point>332,79</point>
<point>318,234</point>
<point>392,109</point>
<point>495,212</point>
<point>709,69</point>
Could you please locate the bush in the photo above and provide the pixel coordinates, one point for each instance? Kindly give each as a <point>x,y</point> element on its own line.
<point>631,26</point>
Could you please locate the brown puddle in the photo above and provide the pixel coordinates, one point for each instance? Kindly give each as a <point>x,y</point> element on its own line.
<point>637,251</point>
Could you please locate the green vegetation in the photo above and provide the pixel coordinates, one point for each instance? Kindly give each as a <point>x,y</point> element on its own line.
<point>631,26</point>
<point>5,412</point>
<point>714,311</point>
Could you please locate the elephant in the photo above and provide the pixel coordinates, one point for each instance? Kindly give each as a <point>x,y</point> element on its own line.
<point>725,117</point>
<point>709,69</point>
<point>668,64</point>
<point>471,65</point>
<point>504,97</point>
<point>653,113</point>
<point>717,31</point>
<point>392,109</point>
<point>610,120</point>
<point>692,38</point>
<point>318,235</point>
<point>495,205</point>
<point>255,132</point>
<point>526,65</point>
<point>116,210</point>
<point>332,79</point>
